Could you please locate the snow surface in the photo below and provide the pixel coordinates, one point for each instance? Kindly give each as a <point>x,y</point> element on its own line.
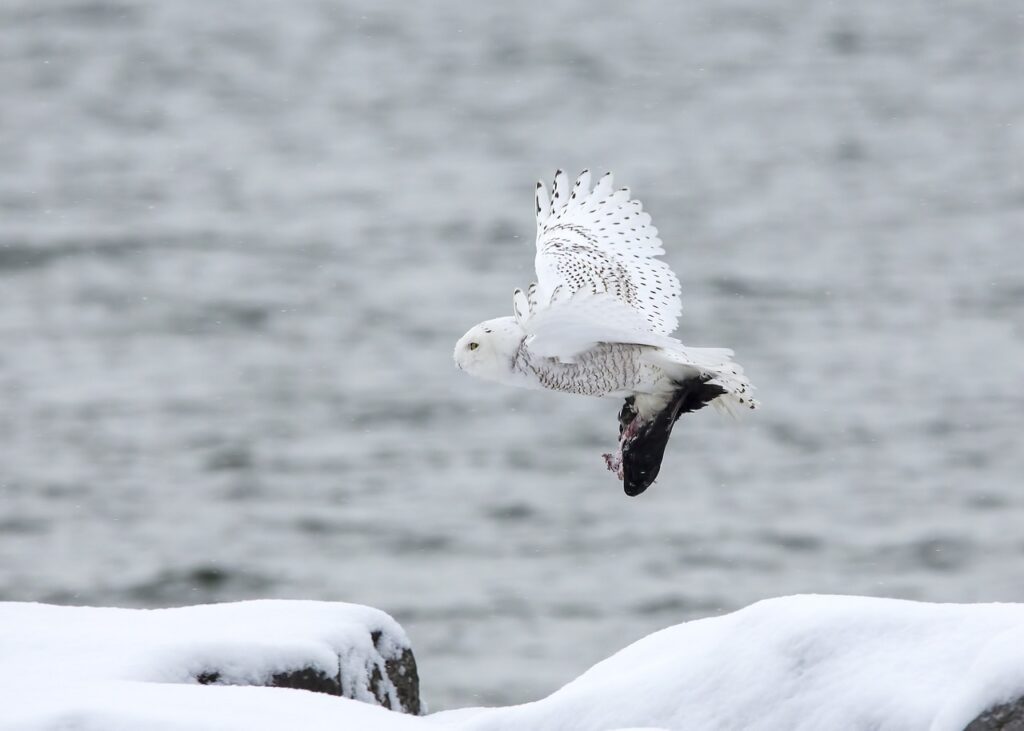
<point>802,662</point>
<point>130,706</point>
<point>55,658</point>
<point>246,642</point>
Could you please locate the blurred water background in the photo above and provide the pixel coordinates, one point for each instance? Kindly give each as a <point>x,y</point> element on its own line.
<point>238,241</point>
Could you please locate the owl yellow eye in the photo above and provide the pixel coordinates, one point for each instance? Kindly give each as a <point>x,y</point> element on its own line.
<point>473,346</point>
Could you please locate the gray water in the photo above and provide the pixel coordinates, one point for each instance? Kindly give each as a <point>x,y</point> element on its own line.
<point>239,240</point>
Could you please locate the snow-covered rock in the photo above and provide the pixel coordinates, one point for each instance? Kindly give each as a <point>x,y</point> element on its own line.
<point>341,649</point>
<point>796,663</point>
<point>790,664</point>
<point>1004,717</point>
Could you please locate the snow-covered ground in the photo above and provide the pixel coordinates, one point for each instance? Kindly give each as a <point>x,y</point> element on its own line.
<point>130,706</point>
<point>109,667</point>
<point>801,662</point>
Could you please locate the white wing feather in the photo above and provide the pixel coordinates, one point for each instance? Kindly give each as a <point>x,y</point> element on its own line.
<point>602,240</point>
<point>575,323</point>
<point>597,278</point>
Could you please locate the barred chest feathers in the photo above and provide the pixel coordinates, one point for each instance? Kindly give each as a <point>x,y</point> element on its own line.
<point>609,369</point>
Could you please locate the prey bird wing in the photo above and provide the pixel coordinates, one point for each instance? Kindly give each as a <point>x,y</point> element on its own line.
<point>597,276</point>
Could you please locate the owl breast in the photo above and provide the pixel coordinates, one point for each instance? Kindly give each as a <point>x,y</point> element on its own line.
<point>609,368</point>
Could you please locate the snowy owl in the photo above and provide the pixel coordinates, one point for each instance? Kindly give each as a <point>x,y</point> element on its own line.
<point>599,322</point>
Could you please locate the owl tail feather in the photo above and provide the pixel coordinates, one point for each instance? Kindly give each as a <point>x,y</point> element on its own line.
<point>684,362</point>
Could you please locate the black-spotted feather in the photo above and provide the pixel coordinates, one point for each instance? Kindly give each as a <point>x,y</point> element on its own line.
<point>601,240</point>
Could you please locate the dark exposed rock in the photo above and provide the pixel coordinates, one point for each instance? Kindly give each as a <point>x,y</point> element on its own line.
<point>402,672</point>
<point>1005,717</point>
<point>307,679</point>
<point>301,679</point>
<point>394,667</point>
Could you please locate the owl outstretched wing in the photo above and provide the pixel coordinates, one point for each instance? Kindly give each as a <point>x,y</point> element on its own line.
<point>597,276</point>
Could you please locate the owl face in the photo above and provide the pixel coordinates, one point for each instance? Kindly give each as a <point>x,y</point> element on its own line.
<point>488,349</point>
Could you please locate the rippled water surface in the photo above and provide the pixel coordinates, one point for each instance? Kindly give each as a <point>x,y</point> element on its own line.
<point>239,239</point>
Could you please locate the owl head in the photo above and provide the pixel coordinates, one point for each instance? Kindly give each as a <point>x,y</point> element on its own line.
<point>488,350</point>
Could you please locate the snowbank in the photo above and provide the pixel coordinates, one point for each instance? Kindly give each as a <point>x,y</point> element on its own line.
<point>809,663</point>
<point>127,706</point>
<point>790,664</point>
<point>344,649</point>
